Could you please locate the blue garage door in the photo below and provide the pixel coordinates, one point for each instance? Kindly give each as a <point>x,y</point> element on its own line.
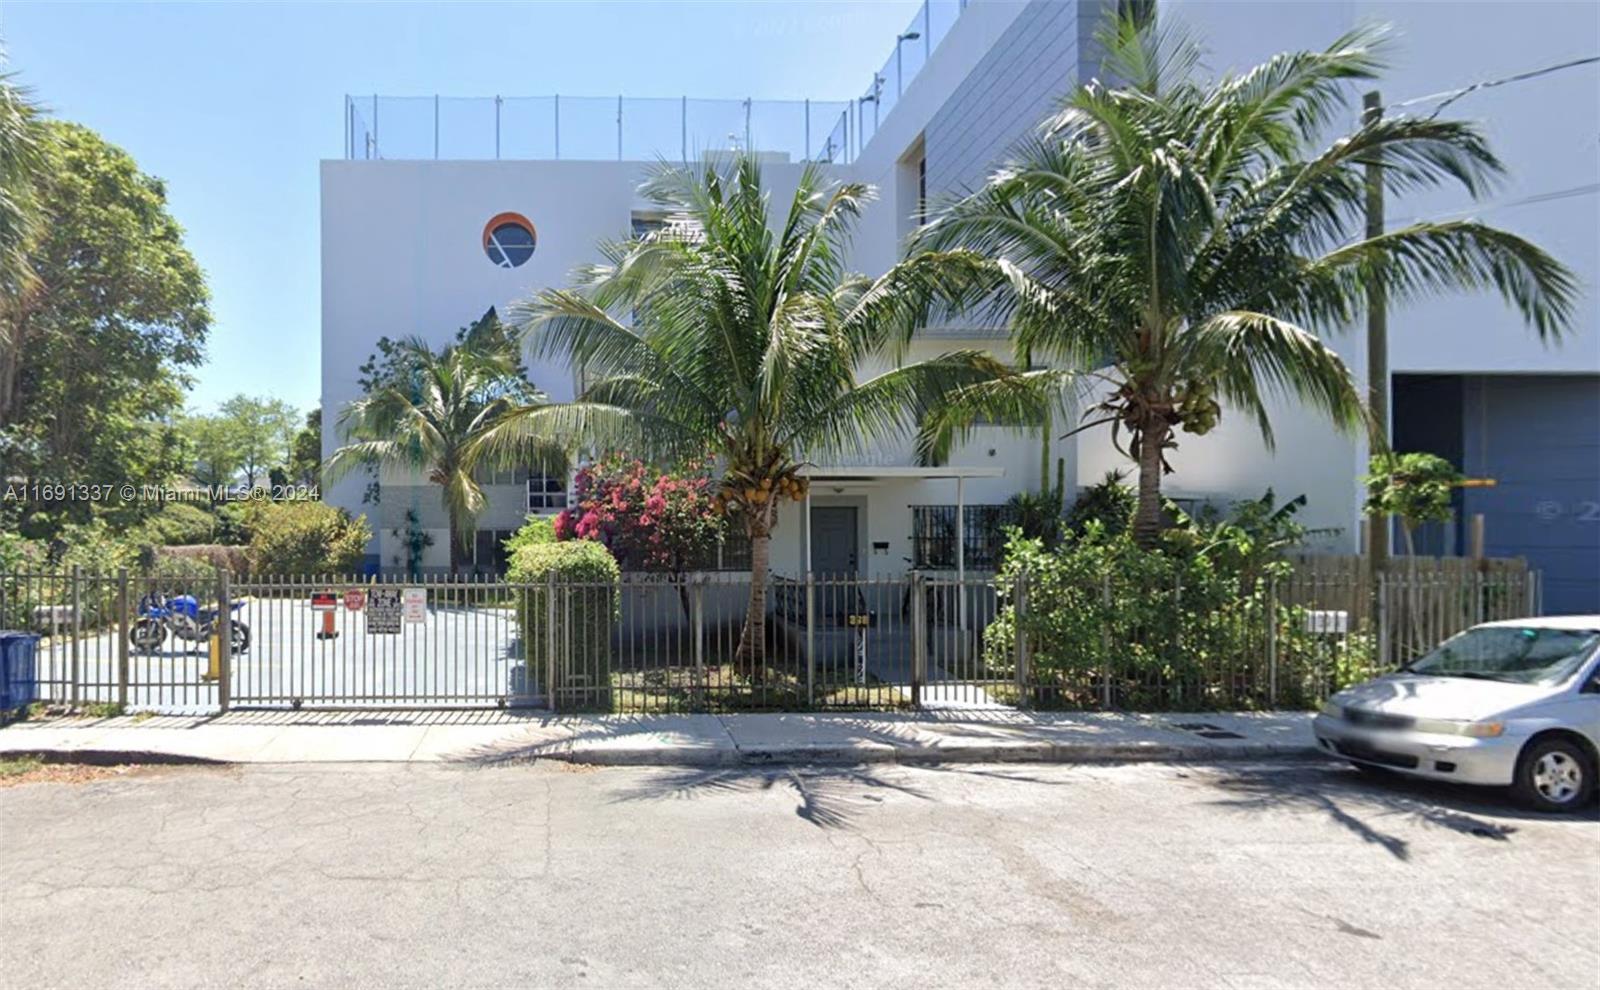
<point>1538,436</point>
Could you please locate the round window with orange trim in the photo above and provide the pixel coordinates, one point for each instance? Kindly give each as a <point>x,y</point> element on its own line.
<point>509,240</point>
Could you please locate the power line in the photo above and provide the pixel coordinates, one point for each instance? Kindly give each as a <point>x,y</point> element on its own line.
<point>1588,189</point>
<point>1450,96</point>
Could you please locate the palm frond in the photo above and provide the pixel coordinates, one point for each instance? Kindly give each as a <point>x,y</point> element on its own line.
<point>1248,356</point>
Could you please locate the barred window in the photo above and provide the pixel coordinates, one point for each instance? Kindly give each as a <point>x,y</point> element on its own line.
<point>933,535</point>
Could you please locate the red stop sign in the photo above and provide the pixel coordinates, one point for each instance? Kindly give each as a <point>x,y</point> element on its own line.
<point>355,599</point>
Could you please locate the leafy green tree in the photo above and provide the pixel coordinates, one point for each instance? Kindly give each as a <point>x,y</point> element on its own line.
<point>1415,487</point>
<point>264,427</point>
<point>216,444</point>
<point>305,451</point>
<point>745,343</point>
<point>99,350</point>
<point>429,412</point>
<point>1186,239</point>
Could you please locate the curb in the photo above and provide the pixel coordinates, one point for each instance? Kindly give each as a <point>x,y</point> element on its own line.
<point>112,757</point>
<point>752,758</point>
<point>913,755</point>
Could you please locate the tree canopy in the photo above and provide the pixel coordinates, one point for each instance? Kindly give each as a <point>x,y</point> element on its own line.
<point>101,347</point>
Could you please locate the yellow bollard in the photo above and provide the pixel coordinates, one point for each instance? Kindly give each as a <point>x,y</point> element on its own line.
<point>214,672</point>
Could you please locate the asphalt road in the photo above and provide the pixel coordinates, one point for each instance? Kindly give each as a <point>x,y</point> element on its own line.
<point>1140,875</point>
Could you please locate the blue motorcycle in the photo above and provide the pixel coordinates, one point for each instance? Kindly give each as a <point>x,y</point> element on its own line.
<point>183,618</point>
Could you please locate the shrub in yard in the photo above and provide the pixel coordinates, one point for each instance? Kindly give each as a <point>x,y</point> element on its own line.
<point>534,530</point>
<point>585,608</point>
<point>212,556</point>
<point>46,565</point>
<point>176,524</point>
<point>236,522</point>
<point>307,538</point>
<point>1179,627</point>
<point>1108,501</point>
<point>650,520</point>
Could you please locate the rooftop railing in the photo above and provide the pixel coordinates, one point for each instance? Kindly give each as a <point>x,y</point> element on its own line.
<point>622,128</point>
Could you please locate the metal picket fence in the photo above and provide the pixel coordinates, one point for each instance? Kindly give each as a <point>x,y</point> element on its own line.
<point>676,643</point>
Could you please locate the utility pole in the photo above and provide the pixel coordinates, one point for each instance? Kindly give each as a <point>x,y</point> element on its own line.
<point>1377,342</point>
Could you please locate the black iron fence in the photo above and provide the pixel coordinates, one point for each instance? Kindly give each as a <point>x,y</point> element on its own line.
<point>670,643</point>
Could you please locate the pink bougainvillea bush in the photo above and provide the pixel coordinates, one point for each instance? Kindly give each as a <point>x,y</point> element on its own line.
<point>650,520</point>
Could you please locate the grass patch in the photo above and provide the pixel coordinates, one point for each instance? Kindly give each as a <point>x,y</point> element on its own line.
<point>39,710</point>
<point>18,766</point>
<point>723,688</point>
<point>18,770</point>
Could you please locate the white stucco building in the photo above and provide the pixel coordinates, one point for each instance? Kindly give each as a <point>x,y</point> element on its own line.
<point>409,220</point>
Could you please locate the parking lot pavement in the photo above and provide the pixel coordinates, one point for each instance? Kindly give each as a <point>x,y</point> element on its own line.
<point>459,655</point>
<point>1237,875</point>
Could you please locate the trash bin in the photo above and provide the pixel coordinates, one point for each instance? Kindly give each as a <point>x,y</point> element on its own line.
<point>19,676</point>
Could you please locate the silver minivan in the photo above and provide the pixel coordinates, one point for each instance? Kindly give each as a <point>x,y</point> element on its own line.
<point>1514,703</point>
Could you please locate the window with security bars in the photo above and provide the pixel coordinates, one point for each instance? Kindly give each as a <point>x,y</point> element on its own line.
<point>933,535</point>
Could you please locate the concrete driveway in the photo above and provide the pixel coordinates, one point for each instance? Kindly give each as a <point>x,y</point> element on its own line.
<point>1141,875</point>
<point>459,655</point>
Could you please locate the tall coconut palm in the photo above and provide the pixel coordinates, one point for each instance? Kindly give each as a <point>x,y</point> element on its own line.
<point>428,415</point>
<point>747,340</point>
<point>21,159</point>
<point>1188,239</point>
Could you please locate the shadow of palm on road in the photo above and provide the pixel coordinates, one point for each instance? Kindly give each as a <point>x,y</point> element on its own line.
<point>1362,804</point>
<point>827,796</point>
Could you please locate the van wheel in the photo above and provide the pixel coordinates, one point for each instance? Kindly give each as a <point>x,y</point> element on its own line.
<point>1554,775</point>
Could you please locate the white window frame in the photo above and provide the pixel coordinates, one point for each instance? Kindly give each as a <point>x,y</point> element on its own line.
<point>546,492</point>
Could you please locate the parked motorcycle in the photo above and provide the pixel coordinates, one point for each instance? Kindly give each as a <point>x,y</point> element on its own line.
<point>185,619</point>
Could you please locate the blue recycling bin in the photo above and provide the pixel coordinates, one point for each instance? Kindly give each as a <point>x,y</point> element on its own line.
<point>19,670</point>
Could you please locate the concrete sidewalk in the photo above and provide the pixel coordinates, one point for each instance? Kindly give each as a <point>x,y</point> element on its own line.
<point>676,740</point>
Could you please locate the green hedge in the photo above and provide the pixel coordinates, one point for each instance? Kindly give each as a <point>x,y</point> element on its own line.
<point>1178,630</point>
<point>307,538</point>
<point>586,607</point>
<point>176,524</point>
<point>534,530</point>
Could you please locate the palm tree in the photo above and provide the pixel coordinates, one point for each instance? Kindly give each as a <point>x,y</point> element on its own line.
<point>22,159</point>
<point>1187,239</point>
<point>745,341</point>
<point>428,415</point>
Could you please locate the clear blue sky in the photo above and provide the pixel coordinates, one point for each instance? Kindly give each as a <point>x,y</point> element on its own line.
<point>234,104</point>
